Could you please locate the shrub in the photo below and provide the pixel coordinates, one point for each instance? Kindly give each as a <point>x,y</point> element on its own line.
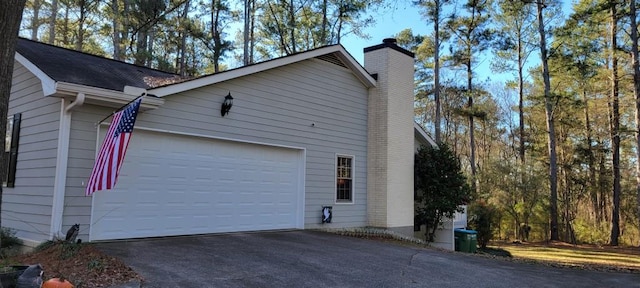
<point>591,232</point>
<point>440,187</point>
<point>8,238</point>
<point>482,215</point>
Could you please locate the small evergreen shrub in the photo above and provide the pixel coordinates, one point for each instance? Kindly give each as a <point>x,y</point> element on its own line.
<point>440,187</point>
<point>482,215</point>
<point>8,238</point>
<point>591,232</point>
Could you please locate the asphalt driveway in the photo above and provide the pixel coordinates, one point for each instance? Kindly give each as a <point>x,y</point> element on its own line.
<point>316,259</point>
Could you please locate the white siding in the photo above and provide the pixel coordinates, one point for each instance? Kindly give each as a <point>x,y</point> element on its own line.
<point>275,107</point>
<point>27,207</point>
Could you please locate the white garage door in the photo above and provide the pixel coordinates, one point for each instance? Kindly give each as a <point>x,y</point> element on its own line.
<point>180,185</point>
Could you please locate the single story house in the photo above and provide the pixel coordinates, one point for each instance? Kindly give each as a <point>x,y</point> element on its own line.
<point>305,131</point>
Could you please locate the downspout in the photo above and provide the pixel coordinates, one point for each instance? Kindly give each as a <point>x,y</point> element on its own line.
<point>62,157</point>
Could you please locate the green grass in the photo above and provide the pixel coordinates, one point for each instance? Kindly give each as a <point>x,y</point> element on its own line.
<point>576,256</point>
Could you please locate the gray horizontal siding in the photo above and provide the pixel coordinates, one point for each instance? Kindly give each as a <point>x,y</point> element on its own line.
<point>278,107</point>
<point>274,107</point>
<point>27,207</point>
<point>82,152</point>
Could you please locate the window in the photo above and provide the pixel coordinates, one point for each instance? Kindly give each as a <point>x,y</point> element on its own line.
<point>344,179</point>
<point>11,150</point>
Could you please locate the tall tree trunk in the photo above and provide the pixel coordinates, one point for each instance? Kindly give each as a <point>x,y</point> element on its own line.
<point>284,47</point>
<point>521,149</point>
<point>566,184</point>
<point>247,21</point>
<point>65,26</point>
<point>323,31</point>
<point>10,17</point>
<point>52,21</point>
<point>292,26</point>
<point>603,184</point>
<point>151,39</point>
<point>472,139</point>
<point>593,191</point>
<point>636,91</point>
<point>117,48</point>
<point>551,133</point>
<point>35,21</point>
<point>339,30</point>
<point>615,129</point>
<point>126,27</point>
<point>141,47</point>
<point>81,21</point>
<point>183,41</point>
<point>252,29</point>
<point>217,39</point>
<point>436,68</point>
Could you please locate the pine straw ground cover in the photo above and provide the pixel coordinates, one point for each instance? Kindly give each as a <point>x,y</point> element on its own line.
<point>82,264</point>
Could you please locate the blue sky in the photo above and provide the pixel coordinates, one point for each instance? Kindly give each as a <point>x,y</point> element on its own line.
<point>405,15</point>
<point>388,23</point>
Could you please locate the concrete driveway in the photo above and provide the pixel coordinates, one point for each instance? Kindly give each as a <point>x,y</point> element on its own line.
<point>316,259</point>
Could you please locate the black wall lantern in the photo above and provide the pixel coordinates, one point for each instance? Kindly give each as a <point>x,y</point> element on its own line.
<point>226,105</point>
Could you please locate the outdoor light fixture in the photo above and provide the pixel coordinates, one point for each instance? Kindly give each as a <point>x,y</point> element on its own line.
<point>226,105</point>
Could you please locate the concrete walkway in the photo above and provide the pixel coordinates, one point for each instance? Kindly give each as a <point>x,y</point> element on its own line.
<point>316,259</point>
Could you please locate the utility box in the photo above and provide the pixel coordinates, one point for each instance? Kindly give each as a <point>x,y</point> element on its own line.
<point>466,240</point>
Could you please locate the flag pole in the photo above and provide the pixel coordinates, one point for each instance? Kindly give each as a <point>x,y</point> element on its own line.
<point>120,109</point>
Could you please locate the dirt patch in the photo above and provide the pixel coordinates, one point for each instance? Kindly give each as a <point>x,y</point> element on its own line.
<point>82,264</point>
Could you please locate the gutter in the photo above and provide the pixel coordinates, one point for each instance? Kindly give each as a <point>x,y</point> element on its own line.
<point>60,180</point>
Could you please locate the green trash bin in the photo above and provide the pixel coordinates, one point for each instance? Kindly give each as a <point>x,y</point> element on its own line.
<point>466,240</point>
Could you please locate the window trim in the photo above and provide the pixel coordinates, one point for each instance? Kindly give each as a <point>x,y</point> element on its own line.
<point>335,179</point>
<point>12,159</point>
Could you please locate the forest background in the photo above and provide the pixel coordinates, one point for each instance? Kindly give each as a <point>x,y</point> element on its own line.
<point>552,143</point>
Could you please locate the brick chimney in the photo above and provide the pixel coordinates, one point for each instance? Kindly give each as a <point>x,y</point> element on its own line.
<point>390,137</point>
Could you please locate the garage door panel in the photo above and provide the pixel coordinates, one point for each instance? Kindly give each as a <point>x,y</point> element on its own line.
<point>207,186</point>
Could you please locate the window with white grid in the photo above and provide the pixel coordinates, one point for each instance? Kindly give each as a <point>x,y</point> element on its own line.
<point>344,179</point>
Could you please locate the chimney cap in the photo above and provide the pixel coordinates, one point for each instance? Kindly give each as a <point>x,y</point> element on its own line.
<point>389,41</point>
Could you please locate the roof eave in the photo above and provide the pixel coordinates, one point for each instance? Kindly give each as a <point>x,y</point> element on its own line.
<point>93,95</point>
<point>357,69</point>
<point>48,84</point>
<point>348,60</point>
<point>104,97</point>
<point>417,128</point>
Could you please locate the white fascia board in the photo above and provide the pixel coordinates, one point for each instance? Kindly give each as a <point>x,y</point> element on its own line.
<point>357,69</point>
<point>424,134</point>
<point>105,97</point>
<point>48,84</point>
<point>267,65</point>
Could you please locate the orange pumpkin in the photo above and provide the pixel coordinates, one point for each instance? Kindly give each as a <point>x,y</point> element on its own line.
<point>57,283</point>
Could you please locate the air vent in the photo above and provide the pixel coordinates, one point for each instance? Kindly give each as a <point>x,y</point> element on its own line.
<point>331,58</point>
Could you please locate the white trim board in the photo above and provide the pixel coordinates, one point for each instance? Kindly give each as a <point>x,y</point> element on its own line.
<point>48,84</point>
<point>340,52</point>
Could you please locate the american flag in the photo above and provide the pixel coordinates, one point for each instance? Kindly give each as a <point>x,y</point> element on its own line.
<point>109,160</point>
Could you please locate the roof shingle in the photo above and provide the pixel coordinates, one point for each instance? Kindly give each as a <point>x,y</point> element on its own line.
<point>65,65</point>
